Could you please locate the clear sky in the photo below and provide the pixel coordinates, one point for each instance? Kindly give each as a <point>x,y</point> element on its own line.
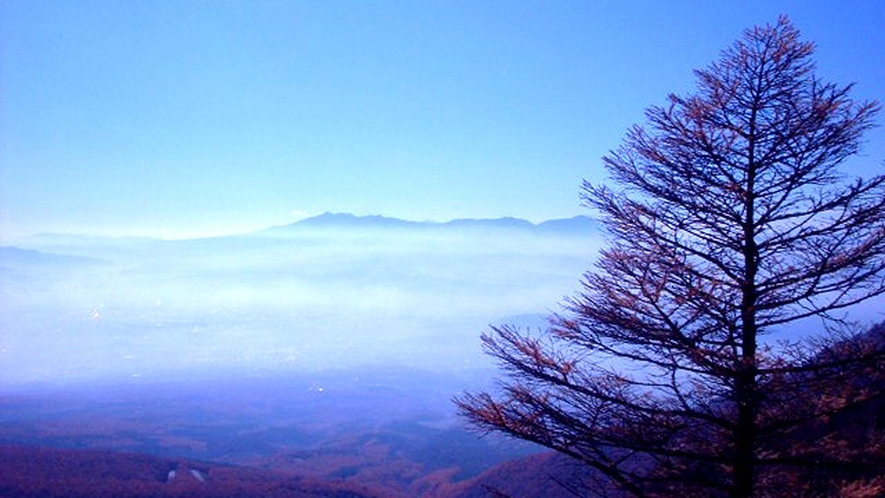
<point>184,118</point>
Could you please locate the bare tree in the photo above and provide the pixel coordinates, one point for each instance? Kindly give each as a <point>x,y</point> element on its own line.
<point>731,221</point>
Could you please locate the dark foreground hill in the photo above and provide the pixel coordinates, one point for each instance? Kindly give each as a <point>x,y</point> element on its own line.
<point>367,433</point>
<point>28,472</point>
<point>389,464</point>
<point>54,473</point>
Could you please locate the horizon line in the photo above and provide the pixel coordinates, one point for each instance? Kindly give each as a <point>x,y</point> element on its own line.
<point>183,235</point>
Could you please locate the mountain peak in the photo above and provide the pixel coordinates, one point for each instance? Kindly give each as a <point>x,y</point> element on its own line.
<point>329,219</point>
<point>505,222</point>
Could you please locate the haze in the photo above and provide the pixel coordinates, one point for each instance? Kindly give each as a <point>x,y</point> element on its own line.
<point>333,292</point>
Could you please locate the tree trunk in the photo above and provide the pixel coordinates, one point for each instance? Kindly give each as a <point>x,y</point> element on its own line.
<point>745,432</point>
<point>746,379</point>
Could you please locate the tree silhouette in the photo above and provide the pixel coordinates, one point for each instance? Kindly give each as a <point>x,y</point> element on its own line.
<point>731,221</point>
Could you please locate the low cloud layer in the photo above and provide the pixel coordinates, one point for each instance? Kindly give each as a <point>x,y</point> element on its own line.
<point>334,293</point>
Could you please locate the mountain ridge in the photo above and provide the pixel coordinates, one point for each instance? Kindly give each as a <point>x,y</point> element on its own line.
<point>330,220</point>
<point>579,224</point>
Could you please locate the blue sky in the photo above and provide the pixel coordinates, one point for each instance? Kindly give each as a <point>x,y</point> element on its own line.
<point>186,118</point>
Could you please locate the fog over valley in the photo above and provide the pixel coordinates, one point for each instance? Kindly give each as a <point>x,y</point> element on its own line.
<point>329,292</point>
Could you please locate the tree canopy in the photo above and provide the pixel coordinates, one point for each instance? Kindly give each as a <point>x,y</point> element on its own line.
<point>729,219</point>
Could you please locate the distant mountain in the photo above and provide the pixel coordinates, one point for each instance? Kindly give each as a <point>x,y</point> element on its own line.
<point>51,238</point>
<point>575,225</point>
<point>19,256</point>
<point>347,220</point>
<point>506,222</point>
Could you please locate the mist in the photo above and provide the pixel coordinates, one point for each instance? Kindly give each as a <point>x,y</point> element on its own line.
<point>332,292</point>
